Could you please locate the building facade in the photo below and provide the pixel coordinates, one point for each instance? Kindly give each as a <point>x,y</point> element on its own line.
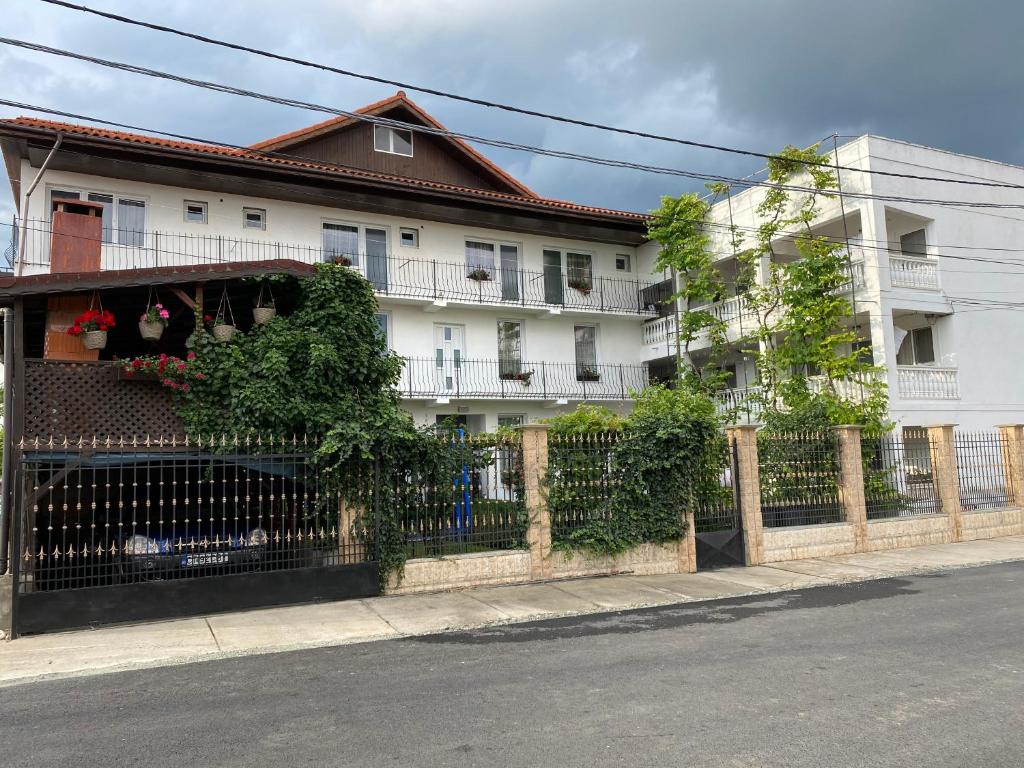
<point>507,307</point>
<point>935,270</point>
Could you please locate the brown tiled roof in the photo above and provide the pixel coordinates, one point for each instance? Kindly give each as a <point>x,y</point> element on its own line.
<point>378,107</point>
<point>261,156</point>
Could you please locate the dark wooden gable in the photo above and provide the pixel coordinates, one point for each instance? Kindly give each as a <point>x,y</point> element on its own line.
<point>433,158</point>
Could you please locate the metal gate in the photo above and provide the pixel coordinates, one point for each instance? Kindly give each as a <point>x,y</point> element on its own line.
<point>138,530</point>
<point>717,526</point>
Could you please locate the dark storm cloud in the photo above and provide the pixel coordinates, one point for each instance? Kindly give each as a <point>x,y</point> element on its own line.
<point>749,74</point>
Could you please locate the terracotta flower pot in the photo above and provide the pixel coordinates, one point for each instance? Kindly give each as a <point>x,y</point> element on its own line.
<point>223,332</point>
<point>94,339</point>
<point>263,315</point>
<point>151,331</point>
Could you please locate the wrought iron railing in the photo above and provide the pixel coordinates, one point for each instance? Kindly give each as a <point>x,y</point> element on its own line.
<point>799,476</point>
<point>454,377</point>
<point>103,512</point>
<point>475,504</point>
<point>981,459</point>
<point>391,274</point>
<point>898,476</point>
<point>582,476</point>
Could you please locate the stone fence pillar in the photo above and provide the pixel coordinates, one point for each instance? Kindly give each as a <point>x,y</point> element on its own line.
<point>743,440</point>
<point>1013,461</point>
<point>535,467</point>
<point>851,483</point>
<point>947,480</point>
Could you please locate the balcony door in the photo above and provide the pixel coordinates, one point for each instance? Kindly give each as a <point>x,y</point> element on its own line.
<point>509,272</point>
<point>553,277</point>
<point>449,341</point>
<point>377,258</point>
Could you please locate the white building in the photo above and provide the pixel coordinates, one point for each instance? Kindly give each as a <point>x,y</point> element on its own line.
<point>507,306</point>
<point>512,307</point>
<point>933,285</point>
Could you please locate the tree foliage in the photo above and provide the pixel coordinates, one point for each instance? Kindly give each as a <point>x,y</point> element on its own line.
<point>639,485</point>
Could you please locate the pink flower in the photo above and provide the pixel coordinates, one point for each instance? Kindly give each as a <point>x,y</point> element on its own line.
<point>164,314</point>
<point>168,383</point>
<point>184,387</point>
<point>200,376</point>
<point>181,366</point>
<point>190,356</point>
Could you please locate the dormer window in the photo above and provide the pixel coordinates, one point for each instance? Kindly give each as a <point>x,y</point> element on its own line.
<point>394,141</point>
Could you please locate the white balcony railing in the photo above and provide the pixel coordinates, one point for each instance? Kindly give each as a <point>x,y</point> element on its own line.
<point>925,382</point>
<point>914,273</point>
<point>660,331</point>
<point>456,378</point>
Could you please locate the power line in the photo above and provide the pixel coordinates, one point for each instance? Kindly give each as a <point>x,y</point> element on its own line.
<point>500,143</point>
<point>498,105</point>
<point>286,156</point>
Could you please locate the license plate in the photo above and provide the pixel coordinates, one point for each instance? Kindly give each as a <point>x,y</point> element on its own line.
<point>204,558</point>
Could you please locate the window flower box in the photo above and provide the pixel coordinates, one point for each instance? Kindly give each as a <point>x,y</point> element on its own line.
<point>587,374</point>
<point>479,274</point>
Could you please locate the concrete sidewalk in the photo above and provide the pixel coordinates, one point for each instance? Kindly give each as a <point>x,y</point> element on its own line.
<point>273,630</point>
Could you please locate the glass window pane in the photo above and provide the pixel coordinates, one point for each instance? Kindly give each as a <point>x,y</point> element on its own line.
<point>905,354</point>
<point>381,138</point>
<point>479,256</point>
<point>131,222</point>
<point>586,347</point>
<point>340,243</point>
<point>382,324</point>
<point>913,244</point>
<point>107,201</point>
<point>510,340</point>
<point>579,270</point>
<point>924,349</point>
<point>401,141</point>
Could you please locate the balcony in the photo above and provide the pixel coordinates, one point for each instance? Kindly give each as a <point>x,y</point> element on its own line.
<point>926,382</point>
<point>444,379</point>
<point>922,274</point>
<point>432,282</point>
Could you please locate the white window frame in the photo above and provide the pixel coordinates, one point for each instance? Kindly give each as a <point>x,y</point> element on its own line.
<point>629,262</point>
<point>409,230</point>
<point>391,141</point>
<point>204,206</point>
<point>246,210</point>
<point>387,326</point>
<point>597,343</point>
<point>361,227</point>
<point>116,198</point>
<point>917,254</point>
<point>936,356</point>
<point>522,338</point>
<point>495,268</point>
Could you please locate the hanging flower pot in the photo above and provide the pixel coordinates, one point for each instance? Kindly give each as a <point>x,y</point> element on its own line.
<point>153,320</point>
<point>94,339</point>
<point>92,325</point>
<point>264,311</point>
<point>224,322</point>
<point>223,332</point>
<point>151,331</point>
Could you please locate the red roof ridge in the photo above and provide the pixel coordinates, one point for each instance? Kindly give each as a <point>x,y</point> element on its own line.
<point>262,156</point>
<point>399,98</point>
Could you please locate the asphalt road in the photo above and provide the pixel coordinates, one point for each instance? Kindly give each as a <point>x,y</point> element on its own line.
<point>923,671</point>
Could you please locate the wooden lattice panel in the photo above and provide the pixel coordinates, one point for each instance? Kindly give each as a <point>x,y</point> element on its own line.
<point>81,399</point>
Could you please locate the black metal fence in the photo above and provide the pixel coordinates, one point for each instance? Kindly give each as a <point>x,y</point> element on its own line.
<point>581,480</point>
<point>716,510</point>
<point>898,476</point>
<point>391,274</point>
<point>473,503</point>
<point>102,512</point>
<point>981,462</point>
<point>799,475</point>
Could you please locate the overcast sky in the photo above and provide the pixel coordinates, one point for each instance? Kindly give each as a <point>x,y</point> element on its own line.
<point>756,75</point>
